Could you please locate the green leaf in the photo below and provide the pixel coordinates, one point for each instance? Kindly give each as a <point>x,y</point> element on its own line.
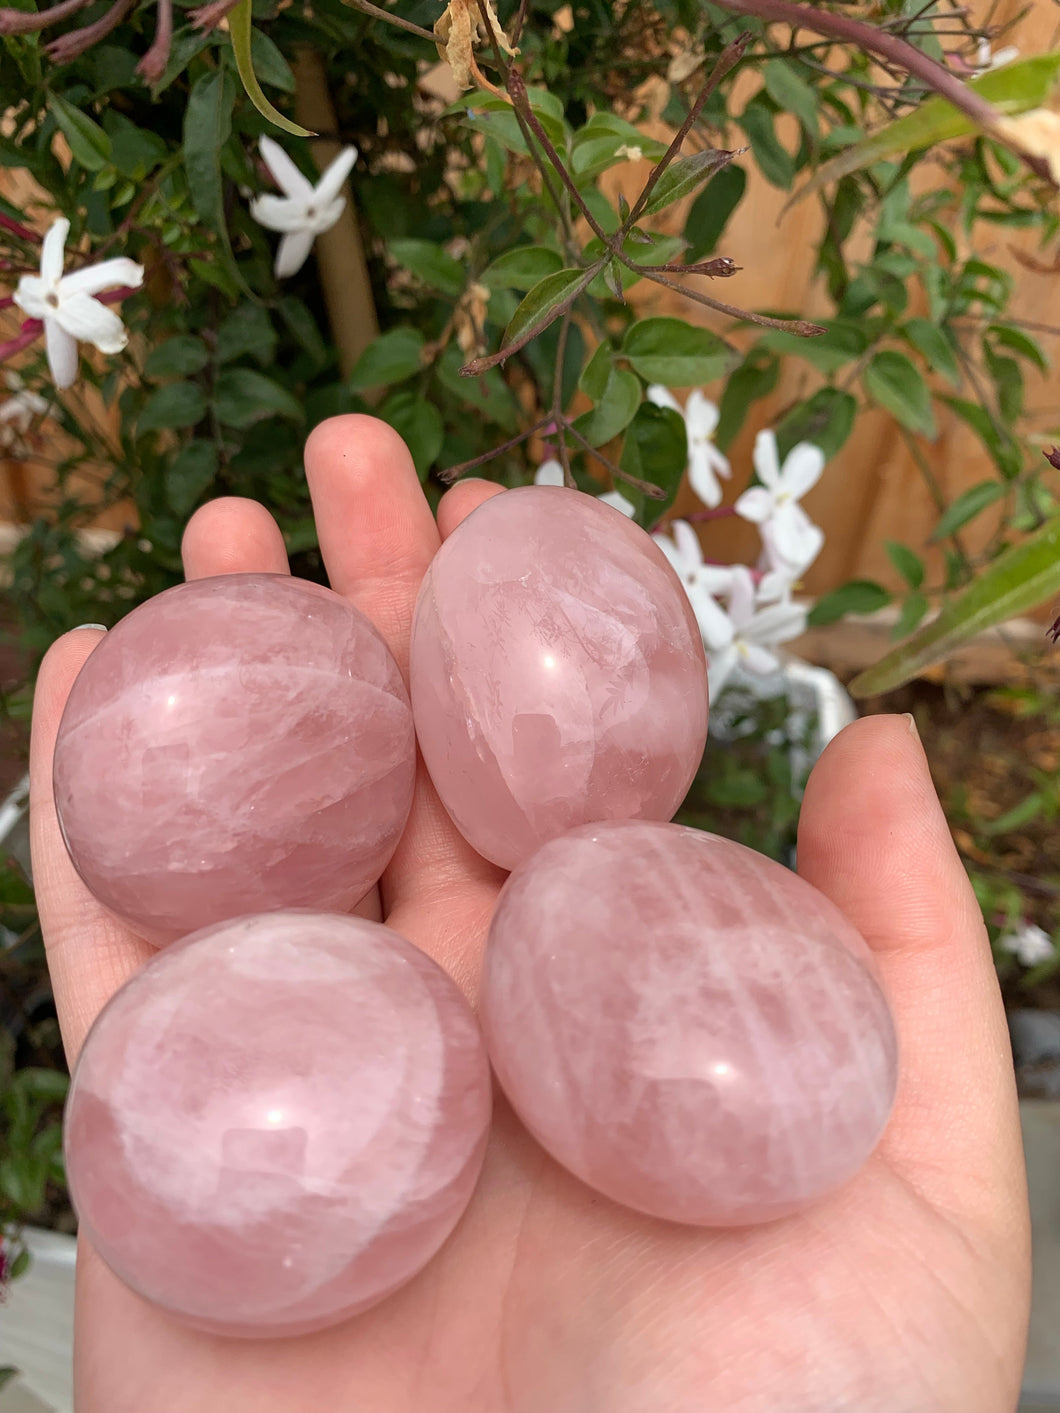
<point>1028,808</point>
<point>390,358</point>
<point>909,564</point>
<point>842,342</point>
<point>419,423</point>
<point>248,329</point>
<point>1021,344</point>
<point>1019,579</point>
<point>709,213</point>
<point>914,606</point>
<point>240,29</point>
<point>966,507</point>
<point>269,63</point>
<point>892,381</point>
<point>593,381</point>
<point>613,411</point>
<point>685,175</point>
<point>207,125</point>
<point>595,146</point>
<point>826,419</point>
<point>676,354</point>
<point>521,268</point>
<point>47,1086</point>
<point>655,450</point>
<point>663,249</point>
<point>134,151</point>
<point>243,396</point>
<point>755,378</point>
<point>176,405</point>
<point>544,303</point>
<point>191,472</point>
<point>1016,88</point>
<point>1004,451</point>
<point>488,392</point>
<point>930,340</point>
<point>177,357</point>
<point>856,596</point>
<point>774,160</point>
<point>1007,376</point>
<point>430,264</point>
<point>20,1265</point>
<point>791,93</point>
<point>89,144</point>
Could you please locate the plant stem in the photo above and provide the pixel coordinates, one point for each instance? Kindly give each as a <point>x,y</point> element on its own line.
<point>728,58</point>
<point>789,326</point>
<point>938,499</point>
<point>653,492</point>
<point>450,473</point>
<point>379,14</point>
<point>557,399</point>
<point>483,365</point>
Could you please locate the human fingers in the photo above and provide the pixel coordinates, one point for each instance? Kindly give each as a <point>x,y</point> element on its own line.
<point>376,531</point>
<point>873,837</point>
<point>232,535</point>
<point>460,500</point>
<point>90,954</point>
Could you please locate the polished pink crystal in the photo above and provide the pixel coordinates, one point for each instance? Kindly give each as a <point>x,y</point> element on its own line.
<point>277,1122</point>
<point>235,745</point>
<point>686,1025</point>
<point>557,672</point>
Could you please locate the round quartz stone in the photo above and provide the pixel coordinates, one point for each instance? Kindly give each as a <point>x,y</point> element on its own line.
<point>277,1122</point>
<point>557,672</point>
<point>235,745</point>
<point>685,1025</point>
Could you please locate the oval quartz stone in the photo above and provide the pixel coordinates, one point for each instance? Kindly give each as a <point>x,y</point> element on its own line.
<point>277,1122</point>
<point>235,745</point>
<point>686,1025</point>
<point>557,672</point>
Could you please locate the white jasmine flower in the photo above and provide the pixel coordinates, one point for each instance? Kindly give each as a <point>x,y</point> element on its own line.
<point>550,473</point>
<point>18,411</point>
<point>701,581</point>
<point>756,631</point>
<point>67,307</point>
<point>1029,943</point>
<point>986,59</point>
<point>791,540</point>
<point>304,211</point>
<point>705,462</point>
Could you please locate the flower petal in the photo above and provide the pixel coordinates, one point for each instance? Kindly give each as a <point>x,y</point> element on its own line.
<point>29,296</point>
<point>292,253</point>
<point>51,254</point>
<point>776,624</point>
<point>88,321</point>
<point>741,597</point>
<point>715,578</point>
<point>701,475</point>
<point>549,473</point>
<point>279,213</point>
<point>62,354</point>
<point>688,547</point>
<point>714,623</point>
<point>756,505</point>
<point>719,461</point>
<point>323,218</point>
<point>108,274</point>
<point>663,397</point>
<point>720,666</point>
<point>757,659</point>
<point>619,502</point>
<point>669,549</point>
<point>766,459</point>
<point>334,176</point>
<point>701,415</point>
<point>284,172</point>
<point>792,540</point>
<point>773,586</point>
<point>802,470</point>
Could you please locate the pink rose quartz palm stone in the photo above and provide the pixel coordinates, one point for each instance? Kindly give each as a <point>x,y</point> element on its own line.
<point>237,744</point>
<point>277,1122</point>
<point>687,1026</point>
<point>557,672</point>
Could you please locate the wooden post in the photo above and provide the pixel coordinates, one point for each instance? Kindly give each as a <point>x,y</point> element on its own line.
<point>339,252</point>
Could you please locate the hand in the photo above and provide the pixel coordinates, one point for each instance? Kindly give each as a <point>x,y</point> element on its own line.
<point>907,1292</point>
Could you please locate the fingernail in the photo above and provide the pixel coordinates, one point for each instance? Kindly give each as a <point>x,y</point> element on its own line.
<point>101,626</point>
<point>912,725</point>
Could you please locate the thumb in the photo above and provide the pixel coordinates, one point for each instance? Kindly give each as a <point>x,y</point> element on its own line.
<point>873,838</point>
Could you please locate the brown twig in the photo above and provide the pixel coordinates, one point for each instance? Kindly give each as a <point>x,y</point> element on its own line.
<point>802,327</point>
<point>77,41</point>
<point>31,22</point>
<point>645,487</point>
<point>478,366</point>
<point>450,473</point>
<point>379,14</point>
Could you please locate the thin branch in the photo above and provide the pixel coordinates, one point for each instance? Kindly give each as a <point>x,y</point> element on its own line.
<point>70,46</point>
<point>557,398</point>
<point>727,59</point>
<point>379,14</point>
<point>520,20</point>
<point>938,499</point>
<point>30,22</point>
<point>646,487</point>
<point>450,473</point>
<point>483,365</point>
<point>788,326</point>
<point>874,40</point>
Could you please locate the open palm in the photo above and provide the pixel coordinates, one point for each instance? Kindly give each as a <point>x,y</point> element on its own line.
<point>906,1292</point>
